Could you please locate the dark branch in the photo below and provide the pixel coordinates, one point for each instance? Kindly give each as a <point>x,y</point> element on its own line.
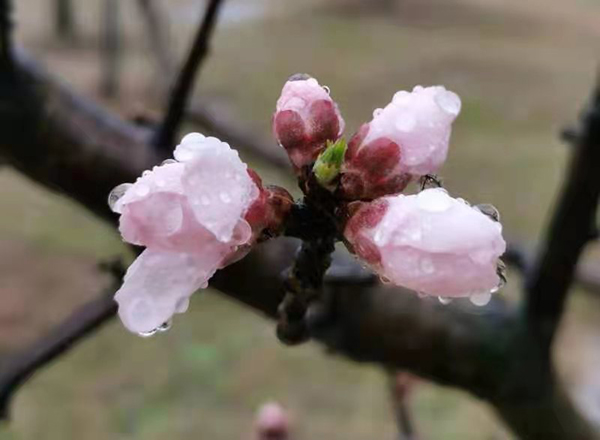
<point>184,84</point>
<point>5,32</point>
<point>570,230</point>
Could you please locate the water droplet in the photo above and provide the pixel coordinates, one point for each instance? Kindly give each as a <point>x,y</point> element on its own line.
<point>385,280</point>
<point>448,101</point>
<point>168,161</point>
<point>165,326</point>
<point>426,265</point>
<point>377,112</point>
<point>489,210</point>
<point>501,271</point>
<point>444,300</point>
<point>142,189</point>
<point>406,124</point>
<point>463,201</point>
<point>148,334</point>
<point>417,88</point>
<point>481,299</point>
<point>146,173</point>
<point>401,98</point>
<point>225,197</point>
<point>378,238</point>
<point>433,200</point>
<point>327,89</point>
<point>182,305</point>
<point>422,295</point>
<point>116,194</point>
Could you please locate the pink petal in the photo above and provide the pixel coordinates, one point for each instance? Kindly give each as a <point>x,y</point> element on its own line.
<point>158,284</point>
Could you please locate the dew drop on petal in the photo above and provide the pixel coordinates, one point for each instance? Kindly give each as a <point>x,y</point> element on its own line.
<point>448,101</point>
<point>116,194</point>
<point>481,299</point>
<point>444,300</point>
<point>327,89</point>
<point>148,334</point>
<point>168,161</point>
<point>489,210</point>
<point>406,123</point>
<point>164,327</point>
<point>422,295</point>
<point>142,189</point>
<point>385,280</point>
<point>225,197</point>
<point>182,305</point>
<point>426,265</point>
<point>377,112</point>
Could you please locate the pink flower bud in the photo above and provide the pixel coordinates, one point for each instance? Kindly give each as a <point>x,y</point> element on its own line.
<point>194,215</point>
<point>408,138</point>
<point>272,423</point>
<point>429,242</point>
<point>305,119</point>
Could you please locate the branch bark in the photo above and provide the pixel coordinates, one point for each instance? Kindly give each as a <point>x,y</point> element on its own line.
<point>66,143</point>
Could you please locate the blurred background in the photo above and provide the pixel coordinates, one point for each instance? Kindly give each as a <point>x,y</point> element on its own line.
<point>523,71</point>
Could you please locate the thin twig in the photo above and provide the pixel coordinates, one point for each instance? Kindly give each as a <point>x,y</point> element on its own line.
<point>184,84</point>
<point>111,49</point>
<point>82,323</point>
<point>570,230</point>
<point>400,384</point>
<point>157,31</point>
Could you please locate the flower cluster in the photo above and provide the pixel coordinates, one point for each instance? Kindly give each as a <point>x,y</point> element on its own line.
<point>205,209</point>
<point>428,242</point>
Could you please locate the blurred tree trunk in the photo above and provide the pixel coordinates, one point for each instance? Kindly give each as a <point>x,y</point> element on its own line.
<point>64,20</point>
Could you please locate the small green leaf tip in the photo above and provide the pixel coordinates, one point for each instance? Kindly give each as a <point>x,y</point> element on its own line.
<point>328,164</point>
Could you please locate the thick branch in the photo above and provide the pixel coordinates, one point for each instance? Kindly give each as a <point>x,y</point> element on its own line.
<point>184,84</point>
<point>570,229</point>
<point>63,142</point>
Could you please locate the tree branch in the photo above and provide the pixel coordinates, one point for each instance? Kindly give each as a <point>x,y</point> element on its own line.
<point>180,94</point>
<point>570,230</point>
<point>5,33</point>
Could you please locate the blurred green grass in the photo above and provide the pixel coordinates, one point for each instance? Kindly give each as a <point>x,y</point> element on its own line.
<point>520,81</point>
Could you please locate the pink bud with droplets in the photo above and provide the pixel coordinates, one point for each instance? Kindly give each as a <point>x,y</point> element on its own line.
<point>305,119</point>
<point>430,243</point>
<point>408,138</point>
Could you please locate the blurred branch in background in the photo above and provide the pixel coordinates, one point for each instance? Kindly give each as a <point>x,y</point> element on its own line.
<point>65,26</point>
<point>180,94</point>
<point>111,49</point>
<point>158,38</point>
